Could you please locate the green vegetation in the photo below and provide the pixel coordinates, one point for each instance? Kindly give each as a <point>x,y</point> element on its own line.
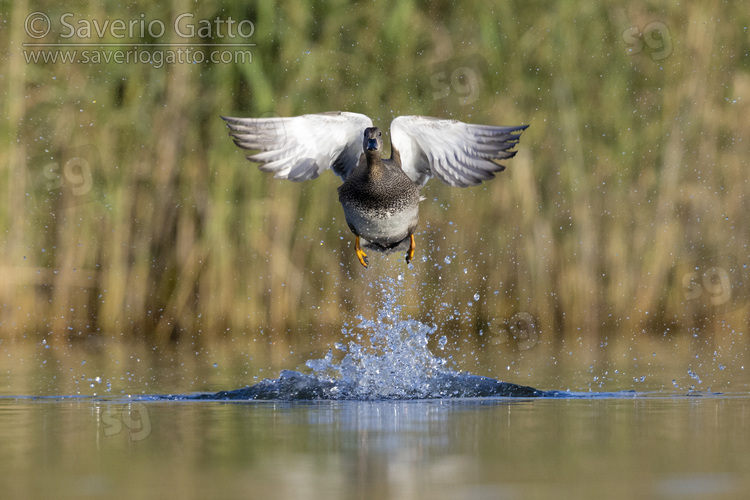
<point>634,171</point>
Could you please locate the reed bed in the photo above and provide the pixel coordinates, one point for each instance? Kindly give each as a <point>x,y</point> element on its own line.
<point>631,178</point>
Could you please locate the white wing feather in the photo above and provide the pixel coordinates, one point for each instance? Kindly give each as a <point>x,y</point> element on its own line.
<point>457,153</point>
<point>302,147</point>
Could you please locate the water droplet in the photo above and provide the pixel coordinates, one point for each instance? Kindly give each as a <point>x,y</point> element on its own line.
<point>442,341</point>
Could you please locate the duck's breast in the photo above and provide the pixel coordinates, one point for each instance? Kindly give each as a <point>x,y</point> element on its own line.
<point>385,226</point>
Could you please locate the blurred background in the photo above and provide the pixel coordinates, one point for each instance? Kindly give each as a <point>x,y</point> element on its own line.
<point>141,252</point>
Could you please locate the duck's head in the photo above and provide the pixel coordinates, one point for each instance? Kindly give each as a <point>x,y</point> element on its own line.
<point>373,140</point>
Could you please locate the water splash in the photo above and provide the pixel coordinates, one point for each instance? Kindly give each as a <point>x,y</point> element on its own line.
<point>385,358</point>
<point>397,362</point>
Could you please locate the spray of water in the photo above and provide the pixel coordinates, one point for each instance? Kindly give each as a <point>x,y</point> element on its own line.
<point>383,358</point>
<point>386,357</point>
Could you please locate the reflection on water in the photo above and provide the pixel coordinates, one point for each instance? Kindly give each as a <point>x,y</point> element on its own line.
<point>476,448</point>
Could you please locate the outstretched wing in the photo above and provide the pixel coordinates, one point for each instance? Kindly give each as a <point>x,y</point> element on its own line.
<point>302,147</point>
<point>457,153</point>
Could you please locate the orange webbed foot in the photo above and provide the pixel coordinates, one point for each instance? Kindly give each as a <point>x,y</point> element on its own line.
<point>361,255</point>
<point>410,252</point>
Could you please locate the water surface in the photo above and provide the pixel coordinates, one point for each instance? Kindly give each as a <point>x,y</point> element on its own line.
<point>385,412</point>
<point>620,446</point>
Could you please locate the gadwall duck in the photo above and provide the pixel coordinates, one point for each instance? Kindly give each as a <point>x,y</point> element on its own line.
<point>380,196</point>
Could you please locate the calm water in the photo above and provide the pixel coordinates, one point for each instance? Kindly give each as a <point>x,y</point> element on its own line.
<point>617,446</point>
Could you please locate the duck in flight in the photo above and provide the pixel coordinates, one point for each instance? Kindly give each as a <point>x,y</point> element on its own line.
<point>380,196</point>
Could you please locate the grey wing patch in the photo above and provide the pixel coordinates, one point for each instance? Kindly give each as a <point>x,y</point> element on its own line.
<point>302,147</point>
<point>457,153</point>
